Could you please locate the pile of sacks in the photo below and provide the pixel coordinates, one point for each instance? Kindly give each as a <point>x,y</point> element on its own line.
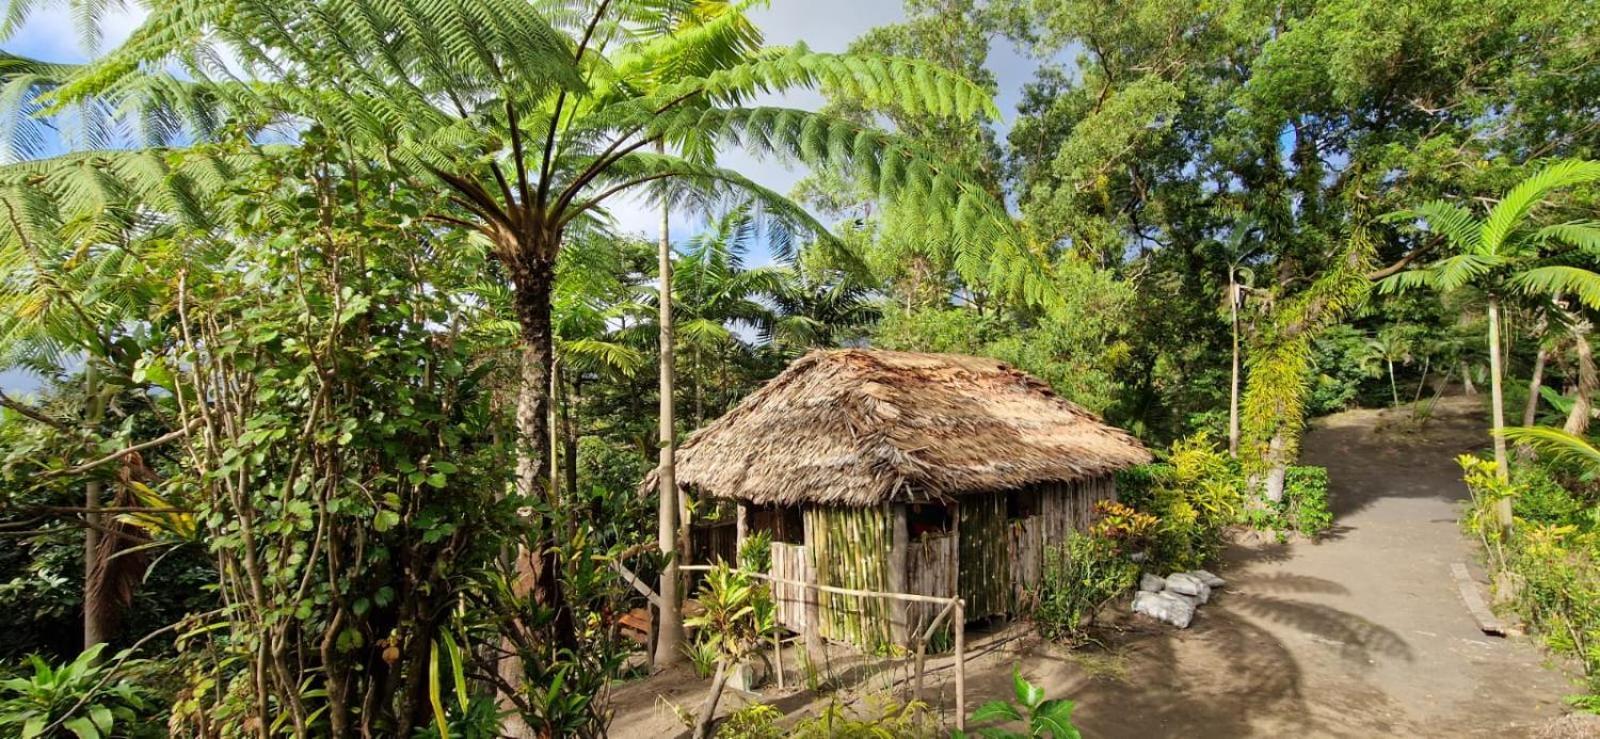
<point>1174,598</point>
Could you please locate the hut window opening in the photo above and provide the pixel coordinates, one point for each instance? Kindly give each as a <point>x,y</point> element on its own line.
<point>1020,505</point>
<point>927,519</point>
<point>783,522</point>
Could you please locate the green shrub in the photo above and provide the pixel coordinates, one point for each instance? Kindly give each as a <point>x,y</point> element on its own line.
<point>1541,497</point>
<point>1552,560</point>
<point>755,554</point>
<point>1078,579</point>
<point>1305,500</point>
<point>77,699</point>
<point>1039,716</point>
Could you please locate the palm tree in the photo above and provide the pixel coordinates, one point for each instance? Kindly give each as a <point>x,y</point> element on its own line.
<point>1503,254</point>
<point>1237,249</point>
<point>1389,347</point>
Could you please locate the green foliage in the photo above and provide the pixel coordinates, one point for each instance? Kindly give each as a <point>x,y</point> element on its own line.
<point>753,721</point>
<point>82,698</point>
<point>737,613</point>
<point>703,652</point>
<point>1195,495</point>
<point>1039,716</point>
<point>1305,500</point>
<point>1551,561</point>
<point>881,717</point>
<point>755,554</point>
<point>1078,579</point>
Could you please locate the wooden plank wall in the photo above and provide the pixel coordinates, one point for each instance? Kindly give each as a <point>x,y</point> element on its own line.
<point>790,562</point>
<point>930,570</point>
<point>1063,507</point>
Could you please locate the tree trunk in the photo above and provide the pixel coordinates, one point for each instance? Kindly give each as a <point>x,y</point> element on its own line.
<point>1394,390</point>
<point>1277,468</point>
<point>1497,401</point>
<point>569,442</point>
<point>1233,390</point>
<point>1467,388</point>
<point>1530,410</point>
<point>99,612</point>
<point>669,633</point>
<point>537,571</point>
<point>708,709</point>
<point>1582,406</point>
<point>555,437</point>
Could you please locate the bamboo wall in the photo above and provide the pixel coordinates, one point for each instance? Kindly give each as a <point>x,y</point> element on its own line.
<point>849,548</point>
<point>985,555</point>
<point>999,560</point>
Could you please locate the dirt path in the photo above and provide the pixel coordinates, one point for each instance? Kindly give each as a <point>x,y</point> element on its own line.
<point>1359,634</point>
<point>1362,633</point>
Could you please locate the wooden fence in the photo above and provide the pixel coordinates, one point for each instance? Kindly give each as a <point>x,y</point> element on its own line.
<point>954,609</point>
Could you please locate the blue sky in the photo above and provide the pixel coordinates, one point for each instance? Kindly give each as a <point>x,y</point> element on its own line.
<point>824,25</point>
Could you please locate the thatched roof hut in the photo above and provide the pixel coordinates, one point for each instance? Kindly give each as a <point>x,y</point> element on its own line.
<point>934,474</point>
<point>860,427</point>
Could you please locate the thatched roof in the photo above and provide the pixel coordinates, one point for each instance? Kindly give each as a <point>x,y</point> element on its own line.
<point>859,426</point>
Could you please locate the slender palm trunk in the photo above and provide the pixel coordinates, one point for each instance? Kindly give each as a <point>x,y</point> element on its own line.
<point>1233,390</point>
<point>669,632</point>
<point>98,615</point>
<point>1497,401</point>
<point>1530,410</point>
<point>1394,390</point>
<point>1583,404</point>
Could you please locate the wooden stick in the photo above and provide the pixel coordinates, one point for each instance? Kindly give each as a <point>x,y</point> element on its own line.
<point>912,597</point>
<point>639,585</point>
<point>922,648</point>
<point>961,664</point>
<point>777,656</point>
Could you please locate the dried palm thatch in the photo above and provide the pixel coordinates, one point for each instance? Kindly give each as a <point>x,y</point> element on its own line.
<point>859,427</point>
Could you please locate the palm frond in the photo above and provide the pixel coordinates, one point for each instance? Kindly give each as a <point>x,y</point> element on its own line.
<point>1557,280</point>
<point>1555,443</point>
<point>1512,210</point>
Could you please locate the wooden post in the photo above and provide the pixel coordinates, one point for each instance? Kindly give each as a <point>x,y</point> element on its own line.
<point>960,616</point>
<point>777,654</point>
<point>741,528</point>
<point>955,550</point>
<point>899,547</point>
<point>813,629</point>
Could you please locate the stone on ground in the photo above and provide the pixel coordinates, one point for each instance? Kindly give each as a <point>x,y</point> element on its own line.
<point>1184,583</point>
<point>1164,607</point>
<point>1152,583</point>
<point>1211,581</point>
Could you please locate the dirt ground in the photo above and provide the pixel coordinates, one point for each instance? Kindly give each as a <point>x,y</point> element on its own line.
<point>1359,633</point>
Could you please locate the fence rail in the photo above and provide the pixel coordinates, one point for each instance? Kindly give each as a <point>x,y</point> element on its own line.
<point>954,609</point>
